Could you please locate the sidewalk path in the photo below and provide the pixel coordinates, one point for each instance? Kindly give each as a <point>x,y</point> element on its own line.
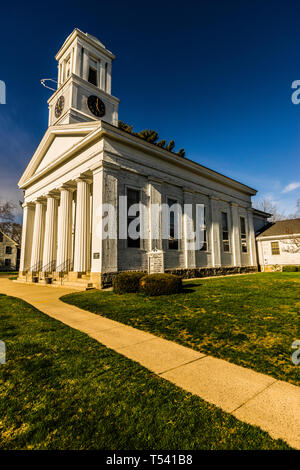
<point>252,397</point>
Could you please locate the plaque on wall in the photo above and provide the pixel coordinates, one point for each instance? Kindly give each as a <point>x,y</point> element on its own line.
<point>155,261</point>
<point>96,255</point>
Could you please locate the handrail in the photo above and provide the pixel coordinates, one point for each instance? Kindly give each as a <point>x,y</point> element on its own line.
<point>65,267</point>
<point>35,267</point>
<point>48,268</point>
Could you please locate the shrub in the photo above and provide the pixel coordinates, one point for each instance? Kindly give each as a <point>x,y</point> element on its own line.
<point>290,269</point>
<point>127,281</point>
<point>160,284</point>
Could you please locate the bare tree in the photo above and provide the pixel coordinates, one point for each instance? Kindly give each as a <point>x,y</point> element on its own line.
<point>267,205</point>
<point>7,221</point>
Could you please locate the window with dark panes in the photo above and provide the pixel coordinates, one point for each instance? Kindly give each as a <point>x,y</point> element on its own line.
<point>225,232</point>
<point>92,76</point>
<point>173,242</point>
<point>1,237</point>
<point>8,250</point>
<point>133,197</point>
<point>243,235</point>
<point>204,246</point>
<point>7,263</point>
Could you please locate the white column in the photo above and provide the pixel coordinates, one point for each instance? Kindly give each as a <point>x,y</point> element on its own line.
<point>38,236</point>
<point>64,229</point>
<point>50,233</point>
<point>99,73</point>
<point>110,196</point>
<point>27,232</point>
<point>236,237</point>
<point>189,226</point>
<point>108,78</point>
<point>82,228</point>
<point>62,72</point>
<point>58,76</point>
<point>155,222</point>
<point>215,232</point>
<point>102,75</point>
<point>252,242</point>
<point>85,72</point>
<point>77,60</point>
<point>97,219</point>
<point>71,61</point>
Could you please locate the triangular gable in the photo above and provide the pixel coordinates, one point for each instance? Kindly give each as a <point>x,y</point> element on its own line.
<point>56,142</point>
<point>58,146</point>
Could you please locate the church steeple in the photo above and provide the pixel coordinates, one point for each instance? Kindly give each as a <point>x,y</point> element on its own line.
<point>84,82</point>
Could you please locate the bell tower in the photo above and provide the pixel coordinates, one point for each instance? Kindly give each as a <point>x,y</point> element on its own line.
<point>84,82</point>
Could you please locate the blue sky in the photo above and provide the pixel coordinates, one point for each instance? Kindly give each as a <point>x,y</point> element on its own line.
<point>213,75</point>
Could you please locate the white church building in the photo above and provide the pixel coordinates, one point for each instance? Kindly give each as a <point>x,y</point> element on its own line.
<point>85,160</point>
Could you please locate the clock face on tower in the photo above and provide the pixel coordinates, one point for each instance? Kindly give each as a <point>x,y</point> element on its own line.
<point>96,106</point>
<point>59,106</point>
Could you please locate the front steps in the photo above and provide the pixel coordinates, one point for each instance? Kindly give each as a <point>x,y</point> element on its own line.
<point>78,281</point>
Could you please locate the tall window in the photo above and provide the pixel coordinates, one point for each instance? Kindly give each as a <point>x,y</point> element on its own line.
<point>204,246</point>
<point>243,235</point>
<point>93,66</point>
<point>93,76</point>
<point>225,232</point>
<point>105,79</point>
<point>1,237</point>
<point>173,242</point>
<point>68,67</point>
<point>133,197</point>
<point>275,248</point>
<point>8,250</point>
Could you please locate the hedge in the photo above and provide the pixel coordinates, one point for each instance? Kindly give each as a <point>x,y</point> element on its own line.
<point>290,269</point>
<point>127,281</point>
<point>160,284</point>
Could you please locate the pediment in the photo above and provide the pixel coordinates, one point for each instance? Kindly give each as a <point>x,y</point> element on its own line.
<point>57,142</point>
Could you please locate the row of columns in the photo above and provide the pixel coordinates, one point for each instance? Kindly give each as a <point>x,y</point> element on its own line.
<point>44,225</point>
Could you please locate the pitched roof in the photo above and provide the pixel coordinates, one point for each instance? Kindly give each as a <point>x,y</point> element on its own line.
<point>282,227</point>
<point>13,241</point>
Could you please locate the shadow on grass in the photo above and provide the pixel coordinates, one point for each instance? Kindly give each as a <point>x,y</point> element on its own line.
<point>188,287</point>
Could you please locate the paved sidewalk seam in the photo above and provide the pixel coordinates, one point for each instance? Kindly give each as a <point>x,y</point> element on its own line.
<point>254,396</point>
<point>182,365</point>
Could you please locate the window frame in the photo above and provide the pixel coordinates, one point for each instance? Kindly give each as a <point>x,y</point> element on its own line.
<point>95,71</point>
<point>204,248</point>
<point>175,201</point>
<point>8,250</point>
<point>273,249</point>
<point>225,241</point>
<point>130,218</point>
<point>243,235</point>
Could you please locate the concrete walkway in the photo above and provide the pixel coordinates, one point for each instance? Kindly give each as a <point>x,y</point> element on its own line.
<point>252,397</point>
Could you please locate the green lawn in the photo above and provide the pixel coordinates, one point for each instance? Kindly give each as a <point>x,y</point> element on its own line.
<point>60,389</point>
<point>250,320</point>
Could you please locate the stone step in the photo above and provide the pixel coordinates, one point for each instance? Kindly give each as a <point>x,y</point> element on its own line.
<point>77,285</point>
<point>79,280</point>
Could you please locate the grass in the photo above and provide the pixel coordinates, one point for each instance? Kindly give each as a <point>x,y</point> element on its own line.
<point>8,273</point>
<point>250,320</point>
<point>60,389</point>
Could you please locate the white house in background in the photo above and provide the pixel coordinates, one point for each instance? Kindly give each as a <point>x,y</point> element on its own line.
<point>85,160</point>
<point>279,244</point>
<point>9,253</point>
